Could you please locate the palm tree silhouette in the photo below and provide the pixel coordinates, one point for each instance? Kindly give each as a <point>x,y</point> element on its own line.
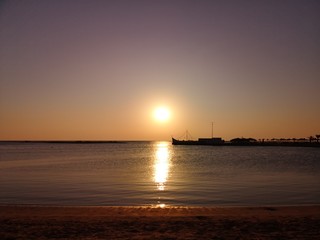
<point>311,138</point>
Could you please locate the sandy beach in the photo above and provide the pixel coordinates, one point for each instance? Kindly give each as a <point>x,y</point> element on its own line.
<point>58,222</point>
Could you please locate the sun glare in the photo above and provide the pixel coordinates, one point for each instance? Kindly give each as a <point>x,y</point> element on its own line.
<point>162,114</point>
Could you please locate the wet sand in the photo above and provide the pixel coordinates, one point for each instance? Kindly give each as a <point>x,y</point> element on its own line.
<point>57,222</point>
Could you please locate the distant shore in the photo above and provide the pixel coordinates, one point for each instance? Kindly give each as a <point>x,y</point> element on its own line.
<point>64,141</point>
<point>240,142</point>
<point>275,144</point>
<point>48,222</point>
<point>226,143</point>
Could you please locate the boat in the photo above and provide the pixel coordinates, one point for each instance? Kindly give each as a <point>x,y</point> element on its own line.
<point>184,142</point>
<point>200,141</point>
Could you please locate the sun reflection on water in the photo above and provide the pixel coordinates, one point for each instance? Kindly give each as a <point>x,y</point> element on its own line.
<point>161,165</point>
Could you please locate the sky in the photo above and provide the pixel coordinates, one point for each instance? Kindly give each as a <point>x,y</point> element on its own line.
<point>96,70</point>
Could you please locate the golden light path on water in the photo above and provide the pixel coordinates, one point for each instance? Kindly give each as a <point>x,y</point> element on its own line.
<point>161,167</point>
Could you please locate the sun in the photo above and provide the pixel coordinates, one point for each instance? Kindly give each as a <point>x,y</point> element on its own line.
<point>162,114</point>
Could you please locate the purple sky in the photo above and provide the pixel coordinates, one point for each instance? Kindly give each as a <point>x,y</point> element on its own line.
<point>97,69</point>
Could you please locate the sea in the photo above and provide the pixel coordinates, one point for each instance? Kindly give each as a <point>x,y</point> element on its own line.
<point>157,174</point>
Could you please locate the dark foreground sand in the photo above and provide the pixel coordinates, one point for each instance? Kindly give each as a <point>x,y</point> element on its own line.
<point>43,222</point>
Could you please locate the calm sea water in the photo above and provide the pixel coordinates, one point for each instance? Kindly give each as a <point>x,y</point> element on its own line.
<point>157,174</point>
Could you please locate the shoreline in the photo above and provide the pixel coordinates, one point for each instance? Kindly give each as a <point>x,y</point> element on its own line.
<point>105,222</point>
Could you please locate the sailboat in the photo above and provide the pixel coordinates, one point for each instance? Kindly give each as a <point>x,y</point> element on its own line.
<point>200,141</point>
<point>186,140</point>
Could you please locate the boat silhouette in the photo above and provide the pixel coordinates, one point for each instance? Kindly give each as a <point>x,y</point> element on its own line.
<point>200,141</point>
